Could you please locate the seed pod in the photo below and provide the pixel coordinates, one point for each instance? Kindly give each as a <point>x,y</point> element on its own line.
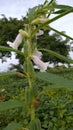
<point>28,68</point>
<point>25,50</point>
<point>28,97</point>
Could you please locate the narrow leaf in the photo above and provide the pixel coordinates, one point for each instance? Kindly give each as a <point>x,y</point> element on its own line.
<point>54,54</point>
<point>3,48</point>
<point>50,2</point>
<point>64,7</point>
<point>61,33</point>
<point>59,11</point>
<point>12,74</point>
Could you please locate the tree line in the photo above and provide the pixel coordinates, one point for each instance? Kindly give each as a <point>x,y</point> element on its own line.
<point>9,29</point>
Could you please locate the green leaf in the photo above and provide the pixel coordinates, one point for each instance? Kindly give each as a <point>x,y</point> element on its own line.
<point>59,11</point>
<point>13,126</point>
<point>54,54</point>
<point>10,104</point>
<point>51,2</point>
<point>59,16</point>
<point>3,48</point>
<point>64,7</point>
<point>61,33</point>
<point>31,13</point>
<point>55,80</point>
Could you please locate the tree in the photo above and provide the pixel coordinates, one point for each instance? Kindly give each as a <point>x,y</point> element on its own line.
<point>9,29</point>
<point>55,43</point>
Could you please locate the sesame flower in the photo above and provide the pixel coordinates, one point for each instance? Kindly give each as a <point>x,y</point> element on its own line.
<point>41,32</point>
<point>37,53</point>
<point>41,65</point>
<point>16,42</point>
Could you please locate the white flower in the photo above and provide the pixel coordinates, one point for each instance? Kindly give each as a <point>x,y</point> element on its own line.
<point>41,65</point>
<point>37,53</point>
<point>16,42</point>
<point>40,33</point>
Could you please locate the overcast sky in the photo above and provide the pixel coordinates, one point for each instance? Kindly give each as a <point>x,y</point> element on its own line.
<point>19,8</point>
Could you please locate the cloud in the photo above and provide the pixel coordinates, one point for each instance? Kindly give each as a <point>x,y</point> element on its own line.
<point>17,8</point>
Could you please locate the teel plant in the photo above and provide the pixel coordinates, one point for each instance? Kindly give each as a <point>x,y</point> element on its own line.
<point>38,18</point>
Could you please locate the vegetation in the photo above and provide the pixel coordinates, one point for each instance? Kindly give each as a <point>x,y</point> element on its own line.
<point>8,30</point>
<point>54,105</point>
<point>35,105</point>
<point>55,43</point>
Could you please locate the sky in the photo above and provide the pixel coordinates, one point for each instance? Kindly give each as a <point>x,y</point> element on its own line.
<point>19,8</point>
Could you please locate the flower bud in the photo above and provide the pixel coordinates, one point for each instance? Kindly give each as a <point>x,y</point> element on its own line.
<point>39,20</point>
<point>23,33</point>
<point>35,21</point>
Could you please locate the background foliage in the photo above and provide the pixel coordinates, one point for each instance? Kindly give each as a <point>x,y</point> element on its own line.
<point>55,108</point>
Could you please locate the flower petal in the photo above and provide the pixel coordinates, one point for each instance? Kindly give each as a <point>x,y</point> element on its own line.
<point>41,65</point>
<point>37,53</point>
<point>40,33</point>
<point>16,42</point>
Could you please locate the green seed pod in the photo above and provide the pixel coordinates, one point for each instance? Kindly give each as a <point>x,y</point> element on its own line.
<point>25,50</point>
<point>30,69</point>
<point>28,97</point>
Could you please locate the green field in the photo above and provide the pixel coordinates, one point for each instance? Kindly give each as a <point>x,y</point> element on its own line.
<point>54,106</point>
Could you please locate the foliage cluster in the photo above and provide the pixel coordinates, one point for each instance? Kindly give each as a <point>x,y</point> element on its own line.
<point>55,109</point>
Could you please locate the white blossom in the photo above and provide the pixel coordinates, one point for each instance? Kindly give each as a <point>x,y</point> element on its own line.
<point>37,53</point>
<point>16,42</point>
<point>41,65</point>
<point>40,33</point>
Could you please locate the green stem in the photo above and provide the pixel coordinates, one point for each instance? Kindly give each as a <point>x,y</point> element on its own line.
<point>32,112</point>
<point>30,83</point>
<point>32,109</point>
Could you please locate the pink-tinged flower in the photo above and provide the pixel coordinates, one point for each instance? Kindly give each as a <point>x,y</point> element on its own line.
<point>37,53</point>
<point>41,65</point>
<point>16,42</point>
